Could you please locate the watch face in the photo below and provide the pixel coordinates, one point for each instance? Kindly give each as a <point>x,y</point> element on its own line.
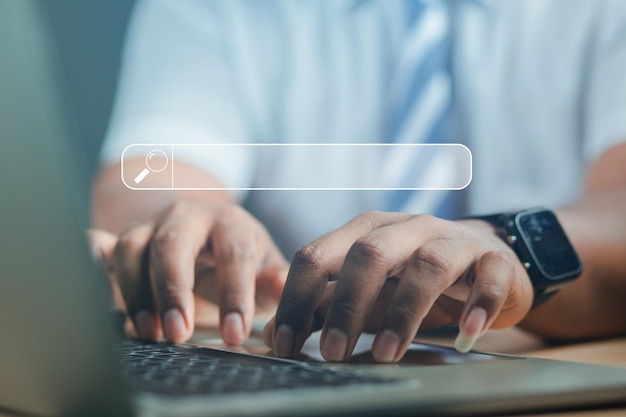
<point>548,244</point>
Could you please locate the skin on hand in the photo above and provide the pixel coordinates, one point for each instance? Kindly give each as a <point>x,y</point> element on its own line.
<point>392,274</point>
<point>189,249</point>
<point>594,302</point>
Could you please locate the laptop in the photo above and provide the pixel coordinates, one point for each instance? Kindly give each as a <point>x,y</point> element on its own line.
<point>59,354</point>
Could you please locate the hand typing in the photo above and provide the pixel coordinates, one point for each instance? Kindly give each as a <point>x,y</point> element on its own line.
<point>393,273</point>
<point>192,251</point>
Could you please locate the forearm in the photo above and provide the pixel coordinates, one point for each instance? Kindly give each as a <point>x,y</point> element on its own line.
<point>593,305</point>
<point>116,208</point>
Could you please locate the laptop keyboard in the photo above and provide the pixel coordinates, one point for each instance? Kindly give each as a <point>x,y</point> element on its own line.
<point>180,370</point>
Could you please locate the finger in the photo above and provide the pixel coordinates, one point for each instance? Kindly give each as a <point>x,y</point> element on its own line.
<point>432,268</point>
<point>238,250</point>
<point>318,317</point>
<point>102,244</point>
<point>445,311</point>
<point>177,241</point>
<point>494,276</point>
<point>271,278</point>
<point>130,262</point>
<point>372,259</point>
<point>205,284</point>
<point>311,269</point>
<point>377,313</point>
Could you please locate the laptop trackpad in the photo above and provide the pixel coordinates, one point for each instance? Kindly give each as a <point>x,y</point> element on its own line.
<point>417,355</point>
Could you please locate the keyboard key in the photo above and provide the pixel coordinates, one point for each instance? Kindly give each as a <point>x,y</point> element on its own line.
<point>180,370</point>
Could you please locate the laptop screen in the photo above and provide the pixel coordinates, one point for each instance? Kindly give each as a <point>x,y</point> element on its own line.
<point>55,355</point>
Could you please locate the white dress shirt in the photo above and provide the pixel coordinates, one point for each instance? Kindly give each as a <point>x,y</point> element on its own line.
<point>540,90</point>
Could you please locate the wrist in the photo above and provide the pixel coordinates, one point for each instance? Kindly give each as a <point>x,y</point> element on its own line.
<point>541,246</point>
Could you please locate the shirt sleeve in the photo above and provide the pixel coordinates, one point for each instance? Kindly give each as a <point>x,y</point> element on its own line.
<point>605,105</point>
<point>176,87</point>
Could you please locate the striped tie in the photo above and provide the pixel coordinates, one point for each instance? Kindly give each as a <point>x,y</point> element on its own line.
<point>421,111</point>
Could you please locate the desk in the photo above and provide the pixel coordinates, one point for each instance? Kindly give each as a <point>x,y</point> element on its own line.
<point>611,352</point>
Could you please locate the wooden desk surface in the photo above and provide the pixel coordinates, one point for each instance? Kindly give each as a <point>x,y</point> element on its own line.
<point>610,352</point>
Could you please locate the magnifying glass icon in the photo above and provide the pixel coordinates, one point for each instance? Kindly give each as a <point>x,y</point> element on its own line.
<point>156,161</point>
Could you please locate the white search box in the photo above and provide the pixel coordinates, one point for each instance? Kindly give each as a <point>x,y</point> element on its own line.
<point>318,166</point>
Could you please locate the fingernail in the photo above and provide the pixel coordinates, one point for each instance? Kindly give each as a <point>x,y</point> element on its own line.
<point>145,324</point>
<point>386,346</point>
<point>471,331</point>
<point>283,344</point>
<point>334,346</point>
<point>174,327</point>
<point>232,329</point>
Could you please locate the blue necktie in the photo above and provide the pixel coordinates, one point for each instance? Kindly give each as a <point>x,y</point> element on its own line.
<point>422,102</point>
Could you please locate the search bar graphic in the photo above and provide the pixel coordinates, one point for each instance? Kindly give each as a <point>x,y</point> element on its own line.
<point>156,162</point>
<point>301,167</point>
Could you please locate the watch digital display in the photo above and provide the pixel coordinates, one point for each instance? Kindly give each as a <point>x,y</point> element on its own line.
<point>548,244</point>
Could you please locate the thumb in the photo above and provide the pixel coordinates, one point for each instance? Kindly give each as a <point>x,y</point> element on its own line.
<point>102,244</point>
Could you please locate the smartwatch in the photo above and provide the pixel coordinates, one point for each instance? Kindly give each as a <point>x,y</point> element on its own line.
<point>541,245</point>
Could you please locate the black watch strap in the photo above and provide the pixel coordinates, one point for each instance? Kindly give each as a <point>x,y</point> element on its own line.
<point>511,233</point>
<point>542,295</point>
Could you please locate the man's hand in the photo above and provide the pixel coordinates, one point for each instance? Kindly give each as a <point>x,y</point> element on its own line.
<point>217,251</point>
<point>393,273</point>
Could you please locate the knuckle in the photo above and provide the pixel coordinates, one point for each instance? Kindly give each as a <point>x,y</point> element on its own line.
<point>424,218</point>
<point>170,291</point>
<point>499,258</point>
<point>369,217</point>
<point>233,298</point>
<point>402,311</point>
<point>310,256</point>
<point>432,261</point>
<point>166,239</point>
<point>367,251</point>
<point>343,310</point>
<point>231,252</point>
<point>290,309</point>
<point>232,213</point>
<point>502,262</point>
<point>492,291</point>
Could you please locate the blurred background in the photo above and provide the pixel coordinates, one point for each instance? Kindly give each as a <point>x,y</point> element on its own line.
<point>90,36</point>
